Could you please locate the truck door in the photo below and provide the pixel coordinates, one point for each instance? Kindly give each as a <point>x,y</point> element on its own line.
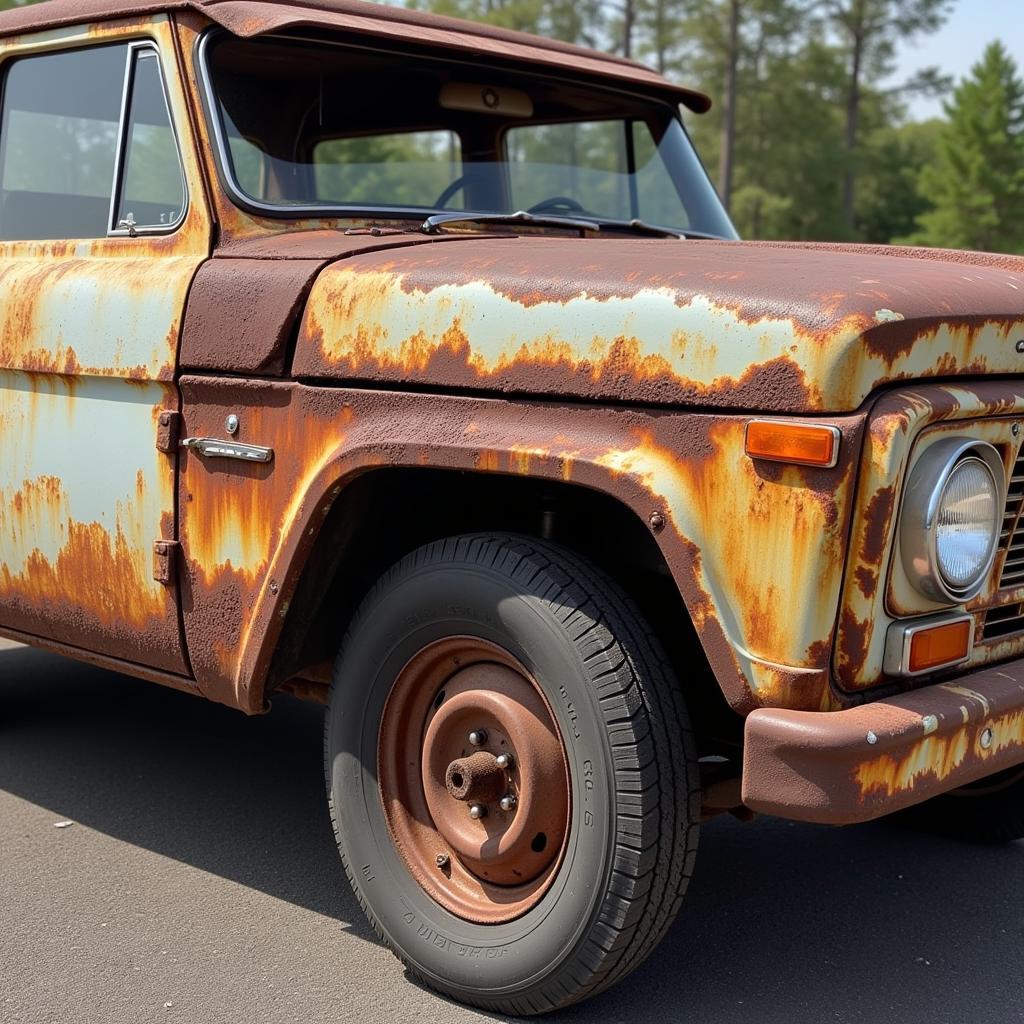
<point>102,227</point>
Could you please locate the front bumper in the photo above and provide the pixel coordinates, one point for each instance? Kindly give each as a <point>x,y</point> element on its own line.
<point>848,766</point>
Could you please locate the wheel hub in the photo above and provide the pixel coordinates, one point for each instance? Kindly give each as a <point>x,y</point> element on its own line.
<point>474,779</point>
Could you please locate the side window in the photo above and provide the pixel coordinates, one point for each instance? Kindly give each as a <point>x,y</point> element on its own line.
<point>153,184</point>
<point>58,143</point>
<point>78,128</point>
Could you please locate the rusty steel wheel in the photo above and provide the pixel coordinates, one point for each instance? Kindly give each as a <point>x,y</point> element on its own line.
<point>511,773</point>
<point>473,779</point>
<point>990,810</point>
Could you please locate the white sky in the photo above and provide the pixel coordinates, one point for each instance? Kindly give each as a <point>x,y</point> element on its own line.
<point>960,42</point>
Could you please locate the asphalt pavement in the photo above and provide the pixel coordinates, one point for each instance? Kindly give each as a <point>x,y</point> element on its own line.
<point>198,883</point>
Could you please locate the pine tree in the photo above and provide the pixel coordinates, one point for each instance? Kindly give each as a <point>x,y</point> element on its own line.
<point>870,31</point>
<point>977,180</point>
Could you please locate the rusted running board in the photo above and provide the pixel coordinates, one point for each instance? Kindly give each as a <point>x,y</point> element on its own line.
<point>848,766</point>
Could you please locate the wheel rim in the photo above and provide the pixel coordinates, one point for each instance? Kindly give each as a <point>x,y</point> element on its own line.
<point>434,779</point>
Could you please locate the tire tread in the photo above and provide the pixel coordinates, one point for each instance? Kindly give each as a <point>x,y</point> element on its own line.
<point>657,788</point>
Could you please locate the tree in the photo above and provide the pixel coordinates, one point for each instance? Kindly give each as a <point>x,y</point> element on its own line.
<point>976,182</point>
<point>889,201</point>
<point>870,31</point>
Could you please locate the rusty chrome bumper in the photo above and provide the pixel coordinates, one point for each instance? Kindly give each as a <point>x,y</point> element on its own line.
<point>848,766</point>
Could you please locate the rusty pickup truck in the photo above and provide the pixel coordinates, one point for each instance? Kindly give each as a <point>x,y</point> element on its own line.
<point>413,367</point>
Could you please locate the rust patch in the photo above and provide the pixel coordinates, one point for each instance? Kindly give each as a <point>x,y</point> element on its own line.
<point>640,321</point>
<point>97,587</point>
<point>247,529</point>
<point>874,759</point>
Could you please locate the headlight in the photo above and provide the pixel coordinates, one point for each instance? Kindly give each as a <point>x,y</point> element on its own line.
<point>951,516</point>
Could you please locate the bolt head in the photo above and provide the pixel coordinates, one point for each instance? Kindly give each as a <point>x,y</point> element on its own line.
<point>1015,430</point>
<point>442,860</point>
<point>508,802</point>
<point>231,424</point>
<point>986,739</point>
<point>477,811</point>
<point>478,737</point>
<point>504,761</point>
<point>1020,345</point>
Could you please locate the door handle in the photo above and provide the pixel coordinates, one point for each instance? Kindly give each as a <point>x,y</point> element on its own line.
<point>212,448</point>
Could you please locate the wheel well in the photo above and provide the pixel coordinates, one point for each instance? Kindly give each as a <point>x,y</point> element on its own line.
<point>384,514</point>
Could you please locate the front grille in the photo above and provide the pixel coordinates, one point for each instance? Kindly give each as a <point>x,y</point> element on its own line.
<point>1011,539</point>
<point>1003,621</point>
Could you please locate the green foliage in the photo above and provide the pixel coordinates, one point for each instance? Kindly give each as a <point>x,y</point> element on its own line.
<point>976,181</point>
<point>890,201</point>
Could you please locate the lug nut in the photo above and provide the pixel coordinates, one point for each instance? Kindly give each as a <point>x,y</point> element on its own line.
<point>442,860</point>
<point>504,761</point>
<point>477,811</point>
<point>507,802</point>
<point>478,737</point>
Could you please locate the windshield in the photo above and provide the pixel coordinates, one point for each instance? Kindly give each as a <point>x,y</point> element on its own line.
<point>311,128</point>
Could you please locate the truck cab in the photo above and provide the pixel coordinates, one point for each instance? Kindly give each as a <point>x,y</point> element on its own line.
<point>414,368</point>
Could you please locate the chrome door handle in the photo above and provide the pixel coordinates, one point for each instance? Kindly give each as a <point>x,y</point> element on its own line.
<point>212,448</point>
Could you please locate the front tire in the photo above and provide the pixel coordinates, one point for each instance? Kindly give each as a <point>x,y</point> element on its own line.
<point>558,892</point>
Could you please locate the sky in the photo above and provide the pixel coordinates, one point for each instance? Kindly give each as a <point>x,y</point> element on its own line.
<point>960,42</point>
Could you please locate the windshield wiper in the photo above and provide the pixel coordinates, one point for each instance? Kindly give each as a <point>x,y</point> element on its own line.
<point>645,228</point>
<point>433,224</point>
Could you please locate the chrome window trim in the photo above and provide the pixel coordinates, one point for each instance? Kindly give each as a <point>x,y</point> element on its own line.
<point>927,480</point>
<point>135,48</point>
<point>898,638</point>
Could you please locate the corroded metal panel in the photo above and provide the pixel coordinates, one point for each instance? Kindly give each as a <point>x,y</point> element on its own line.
<point>88,347</point>
<point>717,324</point>
<point>755,549</point>
<point>85,314</point>
<point>245,306</point>
<point>83,495</point>
<point>864,762</point>
<point>873,591</point>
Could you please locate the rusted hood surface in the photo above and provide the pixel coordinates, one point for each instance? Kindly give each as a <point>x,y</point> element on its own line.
<point>774,327</point>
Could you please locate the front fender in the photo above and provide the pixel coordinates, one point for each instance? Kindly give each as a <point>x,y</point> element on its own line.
<point>756,550</point>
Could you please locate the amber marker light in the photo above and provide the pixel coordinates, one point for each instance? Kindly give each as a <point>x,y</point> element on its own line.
<point>939,645</point>
<point>803,444</point>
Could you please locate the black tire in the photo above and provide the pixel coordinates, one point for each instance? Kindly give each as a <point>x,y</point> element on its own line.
<point>627,859</point>
<point>989,811</point>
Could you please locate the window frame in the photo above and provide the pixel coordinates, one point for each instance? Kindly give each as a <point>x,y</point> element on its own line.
<point>133,47</point>
<point>114,230</point>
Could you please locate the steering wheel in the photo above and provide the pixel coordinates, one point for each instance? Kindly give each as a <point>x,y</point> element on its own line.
<point>442,201</point>
<point>556,203</point>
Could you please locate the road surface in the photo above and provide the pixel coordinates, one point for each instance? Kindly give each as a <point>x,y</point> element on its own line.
<point>198,884</point>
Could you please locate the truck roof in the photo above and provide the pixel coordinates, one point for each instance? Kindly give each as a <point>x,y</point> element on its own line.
<point>257,17</point>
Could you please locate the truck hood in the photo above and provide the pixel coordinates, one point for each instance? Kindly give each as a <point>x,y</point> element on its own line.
<point>800,328</point>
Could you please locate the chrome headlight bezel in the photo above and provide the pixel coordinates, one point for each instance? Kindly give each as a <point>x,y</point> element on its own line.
<point>918,535</point>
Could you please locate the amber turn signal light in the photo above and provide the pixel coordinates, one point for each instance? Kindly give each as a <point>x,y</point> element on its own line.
<point>803,444</point>
<point>939,645</point>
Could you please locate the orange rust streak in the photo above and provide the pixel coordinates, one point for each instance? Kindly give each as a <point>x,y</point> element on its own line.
<point>108,576</point>
<point>935,757</point>
<point>754,565</point>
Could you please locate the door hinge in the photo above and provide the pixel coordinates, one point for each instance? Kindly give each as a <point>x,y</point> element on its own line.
<point>165,560</point>
<point>168,429</point>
